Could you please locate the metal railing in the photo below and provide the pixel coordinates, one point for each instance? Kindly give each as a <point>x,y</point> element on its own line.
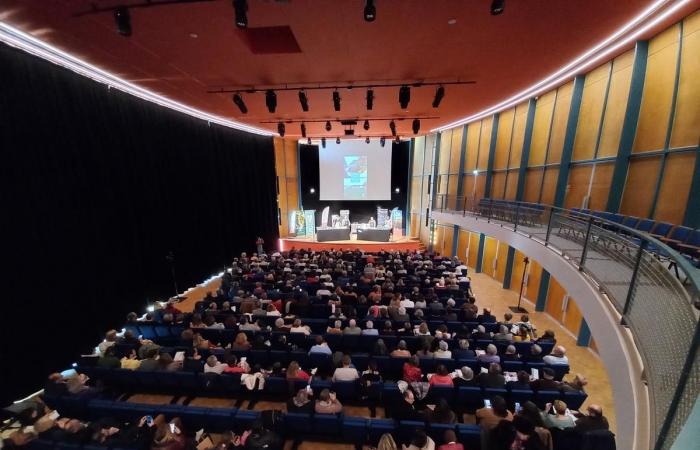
<point>653,287</point>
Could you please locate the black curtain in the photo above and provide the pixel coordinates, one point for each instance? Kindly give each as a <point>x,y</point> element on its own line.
<point>97,187</point>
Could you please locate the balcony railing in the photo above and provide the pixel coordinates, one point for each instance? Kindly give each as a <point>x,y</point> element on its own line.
<point>653,287</point>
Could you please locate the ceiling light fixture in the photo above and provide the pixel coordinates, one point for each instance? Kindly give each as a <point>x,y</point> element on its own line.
<point>271,100</point>
<point>323,142</point>
<point>416,126</point>
<point>336,100</point>
<point>304,101</point>
<point>366,125</point>
<point>238,100</point>
<point>303,130</point>
<point>625,35</point>
<point>241,9</point>
<point>370,11</point>
<point>404,96</point>
<point>308,141</point>
<point>337,140</point>
<point>123,20</point>
<point>367,140</point>
<point>392,127</point>
<point>439,94</point>
<point>497,7</point>
<point>370,99</point>
<point>382,141</point>
<point>328,125</point>
<point>281,129</point>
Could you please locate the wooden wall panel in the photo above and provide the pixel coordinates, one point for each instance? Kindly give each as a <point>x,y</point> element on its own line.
<point>533,181</point>
<point>572,317</point>
<point>601,186</point>
<point>555,297</point>
<point>516,148</point>
<point>490,250</point>
<point>415,225</point>
<point>484,143</point>
<point>503,139</point>
<point>291,158</point>
<point>617,104</point>
<point>498,185</point>
<point>445,146</point>
<point>429,150</point>
<point>418,155</point>
<point>448,235</point>
<point>533,281</point>
<point>501,259</point>
<point>511,185</point>
<point>473,139</point>
<point>540,129</point>
<point>424,232</point>
<point>456,149</point>
<point>549,185</point>
<point>416,187</point>
<point>561,115</point>
<point>462,244</point>
<point>675,187</point>
<point>658,90</point>
<point>686,127</point>
<point>577,187</point>
<point>516,275</point>
<point>639,188</point>
<point>473,249</point>
<point>591,110</point>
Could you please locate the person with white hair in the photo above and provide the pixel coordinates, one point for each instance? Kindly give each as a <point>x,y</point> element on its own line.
<point>557,357</point>
<point>213,365</point>
<point>352,328</point>
<point>443,351</point>
<point>369,329</point>
<point>406,302</point>
<point>491,355</point>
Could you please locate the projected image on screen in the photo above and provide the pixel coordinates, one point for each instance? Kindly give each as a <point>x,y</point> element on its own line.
<point>355,180</point>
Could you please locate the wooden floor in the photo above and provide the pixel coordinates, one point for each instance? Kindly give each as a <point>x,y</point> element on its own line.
<point>489,293</point>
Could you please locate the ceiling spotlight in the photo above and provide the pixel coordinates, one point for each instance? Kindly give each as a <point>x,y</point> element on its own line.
<point>323,142</point>
<point>416,126</point>
<point>281,128</point>
<point>337,140</point>
<point>303,130</point>
<point>497,7</point>
<point>328,125</point>
<point>398,140</point>
<point>392,127</point>
<point>241,8</point>
<point>123,20</point>
<point>367,140</point>
<point>382,141</point>
<point>370,99</point>
<point>439,93</point>
<point>370,11</point>
<point>304,101</point>
<point>308,141</point>
<point>397,190</point>
<point>271,100</point>
<point>238,100</point>
<point>366,125</point>
<point>404,96</point>
<point>336,100</point>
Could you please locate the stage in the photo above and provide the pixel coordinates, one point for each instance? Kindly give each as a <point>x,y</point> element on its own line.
<point>401,244</point>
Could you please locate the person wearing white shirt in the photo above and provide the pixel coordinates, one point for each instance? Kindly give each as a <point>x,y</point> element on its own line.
<point>557,357</point>
<point>407,303</point>
<point>369,329</point>
<point>213,365</point>
<point>442,351</point>
<point>346,373</point>
<point>297,327</point>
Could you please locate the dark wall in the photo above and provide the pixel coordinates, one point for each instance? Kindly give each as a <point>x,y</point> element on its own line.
<point>360,210</point>
<point>97,187</point>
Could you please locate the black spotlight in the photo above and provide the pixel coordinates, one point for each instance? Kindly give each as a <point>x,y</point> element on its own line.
<point>123,20</point>
<point>323,142</point>
<point>370,11</point>
<point>404,96</point>
<point>303,130</point>
<point>416,126</point>
<point>367,140</point>
<point>281,128</point>
<point>336,100</point>
<point>497,7</point>
<point>439,93</point>
<point>370,99</point>
<point>308,141</point>
<point>304,101</point>
<point>382,141</point>
<point>238,100</point>
<point>271,100</point>
<point>337,140</point>
<point>392,127</point>
<point>366,125</point>
<point>241,8</point>
<point>328,125</point>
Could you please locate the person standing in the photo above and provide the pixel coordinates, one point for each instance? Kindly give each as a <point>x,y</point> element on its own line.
<point>259,244</point>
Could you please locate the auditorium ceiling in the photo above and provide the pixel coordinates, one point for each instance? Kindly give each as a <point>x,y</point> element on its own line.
<point>182,51</point>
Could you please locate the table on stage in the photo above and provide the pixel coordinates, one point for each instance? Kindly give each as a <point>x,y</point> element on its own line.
<point>373,234</point>
<point>332,234</point>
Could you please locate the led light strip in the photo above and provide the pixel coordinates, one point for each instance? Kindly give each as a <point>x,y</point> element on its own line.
<point>28,43</point>
<point>622,37</point>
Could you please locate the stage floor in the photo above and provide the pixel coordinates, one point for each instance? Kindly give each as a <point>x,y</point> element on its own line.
<point>402,244</point>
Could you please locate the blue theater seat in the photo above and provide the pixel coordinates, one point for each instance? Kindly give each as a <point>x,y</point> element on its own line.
<point>299,422</point>
<point>544,397</point>
<point>355,430</point>
<point>574,400</point>
<point>377,427</point>
<point>406,428</point>
<point>326,424</point>
<point>469,436</point>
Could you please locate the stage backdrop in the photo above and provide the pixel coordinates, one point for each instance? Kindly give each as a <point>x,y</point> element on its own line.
<point>97,187</point>
<point>360,211</point>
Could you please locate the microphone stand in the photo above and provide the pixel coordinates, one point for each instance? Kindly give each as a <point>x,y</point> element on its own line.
<point>520,309</point>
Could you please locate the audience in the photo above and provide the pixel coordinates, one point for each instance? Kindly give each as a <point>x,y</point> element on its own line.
<point>327,403</point>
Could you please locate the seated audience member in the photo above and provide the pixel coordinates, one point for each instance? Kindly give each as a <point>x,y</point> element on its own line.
<point>510,354</point>
<point>213,365</point>
<point>297,327</point>
<point>241,343</point>
<point>109,340</point>
<point>547,337</point>
<point>520,433</point>
<point>386,442</point>
<point>480,333</point>
<point>486,317</point>
<point>301,402</point>
<point>576,385</point>
<point>557,357</point>
<point>108,359</point>
<point>259,343</point>
<point>442,413</point>
<point>387,329</point>
<point>558,420</point>
<point>379,348</point>
<point>503,334</point>
<point>535,354</point>
<point>523,335</point>
<point>235,366</point>
<point>401,350</point>
<point>272,311</point>
<point>369,329</point>
<point>424,350</point>
<point>493,378</point>
<point>196,321</point>
<point>507,320</point>
<point>442,351</point>
<point>400,314</point>
<point>441,377</point>
<point>248,326</point>
<point>463,351</point>
<point>64,429</point>
<point>546,381</point>
<point>411,370</point>
<point>131,361</point>
<point>128,338</point>
<point>345,372</point>
<point>149,362</point>
<point>294,372</point>
<point>523,381</point>
<point>488,418</point>
<point>531,412</point>
<point>593,421</point>
<point>336,328</point>
<point>464,377</point>
<point>352,328</point>
<point>327,403</point>
<point>491,355</point>
<point>321,346</point>
<point>210,322</point>
<point>406,409</point>
<point>420,441</point>
<point>167,364</point>
<point>450,441</point>
<point>525,322</point>
<point>169,436</point>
